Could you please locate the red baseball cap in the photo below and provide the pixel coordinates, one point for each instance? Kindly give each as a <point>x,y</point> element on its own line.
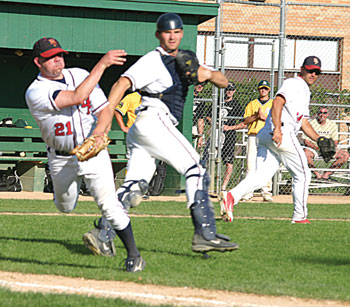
<point>47,47</point>
<point>312,62</point>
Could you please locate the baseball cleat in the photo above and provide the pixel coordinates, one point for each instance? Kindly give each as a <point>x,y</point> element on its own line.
<point>306,221</point>
<point>228,203</point>
<point>200,245</point>
<point>135,265</point>
<point>96,246</point>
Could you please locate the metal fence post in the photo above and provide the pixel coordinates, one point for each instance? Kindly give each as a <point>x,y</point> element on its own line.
<point>280,77</point>
<point>218,37</point>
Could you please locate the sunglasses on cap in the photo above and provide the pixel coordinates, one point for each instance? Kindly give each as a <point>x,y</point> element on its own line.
<point>311,71</point>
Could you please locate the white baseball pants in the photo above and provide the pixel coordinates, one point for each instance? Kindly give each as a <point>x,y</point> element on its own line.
<point>269,157</point>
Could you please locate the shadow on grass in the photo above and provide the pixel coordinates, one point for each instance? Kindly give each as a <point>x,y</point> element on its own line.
<point>74,248</point>
<point>31,261</point>
<point>325,260</point>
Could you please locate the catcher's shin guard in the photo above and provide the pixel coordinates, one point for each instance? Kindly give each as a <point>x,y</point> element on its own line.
<point>100,239</point>
<point>203,217</point>
<point>132,198</point>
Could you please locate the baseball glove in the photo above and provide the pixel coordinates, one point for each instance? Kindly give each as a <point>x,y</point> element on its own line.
<point>89,149</point>
<point>327,148</point>
<point>188,64</point>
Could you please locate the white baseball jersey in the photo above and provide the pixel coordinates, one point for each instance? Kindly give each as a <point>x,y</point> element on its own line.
<point>66,128</point>
<point>63,129</point>
<point>156,80</point>
<point>296,92</point>
<point>154,134</point>
<point>269,157</point>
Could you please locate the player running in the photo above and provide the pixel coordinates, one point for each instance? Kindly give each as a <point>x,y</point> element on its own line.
<point>278,142</point>
<point>65,104</point>
<point>154,134</point>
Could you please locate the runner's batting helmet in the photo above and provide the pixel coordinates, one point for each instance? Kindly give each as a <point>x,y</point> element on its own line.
<point>169,21</point>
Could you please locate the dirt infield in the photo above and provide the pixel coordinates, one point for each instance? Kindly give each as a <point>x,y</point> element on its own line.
<point>154,295</point>
<point>313,199</point>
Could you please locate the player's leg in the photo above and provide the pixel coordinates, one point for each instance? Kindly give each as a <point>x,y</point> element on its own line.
<point>168,144</point>
<point>252,151</point>
<point>293,157</point>
<point>267,164</point>
<point>140,169</point>
<point>66,182</point>
<point>99,178</point>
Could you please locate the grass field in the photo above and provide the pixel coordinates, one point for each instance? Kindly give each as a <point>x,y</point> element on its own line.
<point>275,257</point>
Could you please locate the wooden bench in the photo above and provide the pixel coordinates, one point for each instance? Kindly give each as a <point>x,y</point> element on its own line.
<point>24,149</point>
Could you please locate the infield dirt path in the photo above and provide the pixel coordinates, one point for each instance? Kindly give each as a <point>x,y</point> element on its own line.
<point>154,294</point>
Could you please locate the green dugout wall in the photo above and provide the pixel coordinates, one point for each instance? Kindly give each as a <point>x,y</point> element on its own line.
<point>87,29</point>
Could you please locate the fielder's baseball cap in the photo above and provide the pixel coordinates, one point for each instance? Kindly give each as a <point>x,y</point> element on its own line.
<point>312,62</point>
<point>47,47</point>
<point>231,86</point>
<point>264,83</point>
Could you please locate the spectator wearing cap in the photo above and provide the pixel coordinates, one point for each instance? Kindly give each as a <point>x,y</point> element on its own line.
<point>231,114</point>
<point>255,116</point>
<point>327,128</point>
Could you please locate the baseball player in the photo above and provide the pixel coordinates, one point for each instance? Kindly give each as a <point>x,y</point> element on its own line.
<point>278,142</point>
<point>154,134</point>
<point>127,107</point>
<point>65,104</point>
<point>255,116</point>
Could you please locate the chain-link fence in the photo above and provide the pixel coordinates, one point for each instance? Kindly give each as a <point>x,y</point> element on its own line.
<point>268,40</point>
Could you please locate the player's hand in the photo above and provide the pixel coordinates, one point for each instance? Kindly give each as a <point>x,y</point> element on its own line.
<point>99,141</point>
<point>114,57</point>
<point>277,137</point>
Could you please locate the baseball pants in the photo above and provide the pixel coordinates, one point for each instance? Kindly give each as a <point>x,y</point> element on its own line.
<point>154,136</point>
<point>67,173</point>
<point>269,157</point>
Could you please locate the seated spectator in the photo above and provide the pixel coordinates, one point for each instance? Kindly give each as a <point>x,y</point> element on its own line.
<point>327,128</point>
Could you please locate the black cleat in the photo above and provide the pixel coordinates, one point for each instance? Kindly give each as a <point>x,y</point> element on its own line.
<point>98,247</point>
<point>135,265</point>
<point>200,245</point>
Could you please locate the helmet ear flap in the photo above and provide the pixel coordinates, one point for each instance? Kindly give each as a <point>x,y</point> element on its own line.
<point>169,21</point>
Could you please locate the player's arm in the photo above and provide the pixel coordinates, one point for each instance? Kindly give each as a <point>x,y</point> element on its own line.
<point>82,92</point>
<point>215,77</point>
<point>309,130</point>
<point>119,118</point>
<point>103,118</point>
<point>276,113</point>
<point>117,91</point>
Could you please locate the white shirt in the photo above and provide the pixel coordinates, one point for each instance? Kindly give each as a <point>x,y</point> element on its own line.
<point>297,93</point>
<point>150,74</point>
<point>63,129</point>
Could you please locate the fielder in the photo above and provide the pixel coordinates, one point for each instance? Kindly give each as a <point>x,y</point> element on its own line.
<point>278,142</point>
<point>163,77</point>
<point>66,104</point>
